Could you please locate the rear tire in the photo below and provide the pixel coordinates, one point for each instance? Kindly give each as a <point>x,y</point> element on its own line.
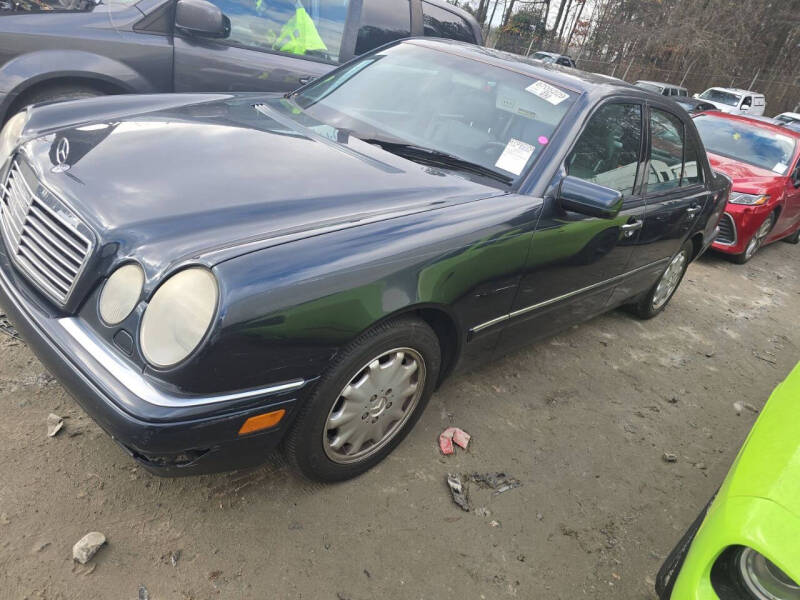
<point>755,242</point>
<point>377,386</point>
<point>794,238</point>
<point>662,291</point>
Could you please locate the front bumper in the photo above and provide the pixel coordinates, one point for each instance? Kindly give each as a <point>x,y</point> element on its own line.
<point>167,432</point>
<point>746,221</point>
<point>758,523</point>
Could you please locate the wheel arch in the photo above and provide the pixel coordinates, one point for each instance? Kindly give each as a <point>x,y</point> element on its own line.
<point>30,73</point>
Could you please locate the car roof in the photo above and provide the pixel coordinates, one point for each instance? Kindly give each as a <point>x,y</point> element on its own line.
<point>661,83</point>
<point>573,79</point>
<point>763,124</point>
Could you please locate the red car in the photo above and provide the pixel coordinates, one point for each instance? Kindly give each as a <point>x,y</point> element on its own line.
<point>762,160</point>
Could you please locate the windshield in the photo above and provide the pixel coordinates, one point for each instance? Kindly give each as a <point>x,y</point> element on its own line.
<point>746,143</point>
<point>491,117</point>
<point>721,97</point>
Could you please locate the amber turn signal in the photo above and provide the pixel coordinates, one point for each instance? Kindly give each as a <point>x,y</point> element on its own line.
<point>260,422</point>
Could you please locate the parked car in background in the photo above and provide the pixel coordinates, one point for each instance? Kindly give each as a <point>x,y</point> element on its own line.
<point>743,546</point>
<point>351,243</point>
<point>790,120</point>
<point>125,46</point>
<point>734,101</point>
<point>763,160</point>
<point>693,106</point>
<point>665,89</point>
<point>553,57</point>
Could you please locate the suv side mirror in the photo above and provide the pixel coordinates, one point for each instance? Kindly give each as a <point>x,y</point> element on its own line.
<point>588,198</point>
<point>201,18</point>
<point>796,177</point>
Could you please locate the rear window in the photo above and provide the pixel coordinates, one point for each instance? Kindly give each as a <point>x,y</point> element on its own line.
<point>649,87</point>
<point>442,23</point>
<point>747,143</point>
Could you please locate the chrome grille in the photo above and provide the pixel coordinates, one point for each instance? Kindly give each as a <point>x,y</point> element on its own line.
<point>43,238</point>
<point>727,230</point>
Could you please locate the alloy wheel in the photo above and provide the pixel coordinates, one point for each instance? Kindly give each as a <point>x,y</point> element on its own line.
<point>670,279</point>
<point>755,242</point>
<point>374,406</point>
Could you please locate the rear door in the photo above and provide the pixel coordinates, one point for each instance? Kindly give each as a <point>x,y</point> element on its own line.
<point>676,194</point>
<point>574,259</point>
<point>273,46</point>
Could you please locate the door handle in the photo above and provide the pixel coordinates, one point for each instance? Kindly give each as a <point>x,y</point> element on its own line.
<point>628,229</point>
<point>693,210</point>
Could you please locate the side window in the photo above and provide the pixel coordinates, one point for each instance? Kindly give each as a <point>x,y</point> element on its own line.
<point>748,101</point>
<point>564,61</point>
<point>439,22</point>
<point>684,93</point>
<point>692,167</point>
<point>310,28</point>
<point>382,21</point>
<point>608,150</point>
<point>666,152</point>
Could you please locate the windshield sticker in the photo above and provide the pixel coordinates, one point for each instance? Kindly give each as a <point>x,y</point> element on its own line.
<point>737,136</point>
<point>515,156</point>
<point>780,168</point>
<point>545,91</point>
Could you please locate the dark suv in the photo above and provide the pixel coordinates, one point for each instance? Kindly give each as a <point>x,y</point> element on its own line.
<point>59,49</point>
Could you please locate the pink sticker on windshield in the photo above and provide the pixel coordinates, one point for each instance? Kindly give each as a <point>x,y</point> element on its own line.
<point>543,140</point>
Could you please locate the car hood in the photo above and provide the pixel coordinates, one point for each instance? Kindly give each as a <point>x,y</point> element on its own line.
<point>745,177</point>
<point>218,178</point>
<point>768,465</point>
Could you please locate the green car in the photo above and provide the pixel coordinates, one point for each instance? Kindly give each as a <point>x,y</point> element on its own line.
<point>746,543</point>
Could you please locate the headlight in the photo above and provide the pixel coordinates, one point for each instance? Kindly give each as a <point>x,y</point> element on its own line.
<point>749,199</point>
<point>10,134</point>
<point>764,580</point>
<point>178,316</point>
<point>121,293</point>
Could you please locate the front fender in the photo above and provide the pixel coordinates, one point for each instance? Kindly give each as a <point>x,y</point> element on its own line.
<point>22,72</point>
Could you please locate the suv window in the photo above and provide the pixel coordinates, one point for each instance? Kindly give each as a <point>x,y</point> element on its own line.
<point>302,27</point>
<point>564,61</point>
<point>608,150</point>
<point>383,21</point>
<point>439,22</point>
<point>666,151</point>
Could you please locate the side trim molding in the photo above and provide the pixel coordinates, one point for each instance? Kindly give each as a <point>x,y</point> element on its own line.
<point>588,288</point>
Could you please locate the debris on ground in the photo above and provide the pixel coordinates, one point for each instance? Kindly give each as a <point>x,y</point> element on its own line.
<point>482,511</point>
<point>54,424</point>
<point>670,457</point>
<point>498,481</point>
<point>450,435</point>
<point>750,407</point>
<point>458,489</point>
<point>738,407</point>
<point>7,328</point>
<point>174,557</point>
<point>86,547</point>
<point>494,523</point>
<point>143,593</point>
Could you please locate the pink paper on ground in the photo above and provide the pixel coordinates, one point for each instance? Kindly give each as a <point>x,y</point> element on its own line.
<point>450,435</point>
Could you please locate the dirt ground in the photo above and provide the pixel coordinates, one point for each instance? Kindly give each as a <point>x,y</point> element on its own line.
<point>582,420</point>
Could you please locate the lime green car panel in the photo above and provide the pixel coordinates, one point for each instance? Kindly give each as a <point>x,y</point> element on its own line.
<point>758,504</point>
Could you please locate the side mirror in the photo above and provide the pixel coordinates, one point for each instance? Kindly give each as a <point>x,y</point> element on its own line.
<point>201,18</point>
<point>744,108</point>
<point>695,96</point>
<point>796,177</point>
<point>588,198</point>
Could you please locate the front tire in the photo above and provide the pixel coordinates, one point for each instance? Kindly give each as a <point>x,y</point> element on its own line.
<point>367,401</point>
<point>755,242</point>
<point>661,293</point>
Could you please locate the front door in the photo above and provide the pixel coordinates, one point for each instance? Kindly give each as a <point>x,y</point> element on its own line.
<point>273,46</point>
<point>574,260</point>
